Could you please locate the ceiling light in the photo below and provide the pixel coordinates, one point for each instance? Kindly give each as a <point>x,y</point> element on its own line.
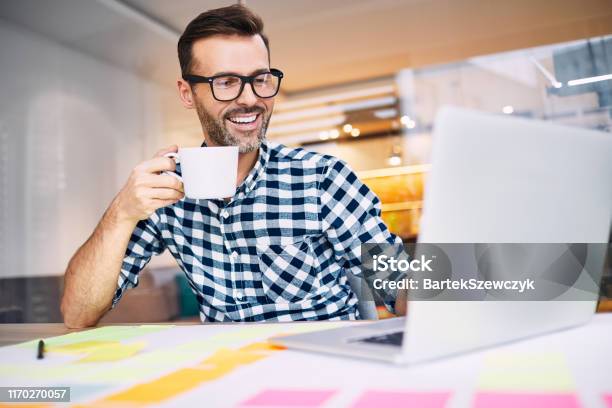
<point>347,128</point>
<point>385,113</point>
<point>306,125</point>
<point>508,109</point>
<point>333,109</point>
<point>406,121</point>
<point>334,133</point>
<point>395,158</point>
<point>589,80</point>
<point>548,75</point>
<point>361,93</point>
<point>355,132</point>
<point>324,135</point>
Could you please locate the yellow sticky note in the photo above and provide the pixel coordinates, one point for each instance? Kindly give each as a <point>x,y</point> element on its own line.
<point>526,372</point>
<point>113,352</point>
<point>221,363</point>
<point>225,357</point>
<point>168,386</point>
<point>81,347</point>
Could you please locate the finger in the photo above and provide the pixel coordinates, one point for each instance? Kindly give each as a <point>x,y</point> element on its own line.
<point>161,181</point>
<point>158,164</point>
<point>169,149</point>
<point>165,194</point>
<point>164,203</point>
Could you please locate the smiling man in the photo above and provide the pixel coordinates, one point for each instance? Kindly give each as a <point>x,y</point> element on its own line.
<point>279,249</point>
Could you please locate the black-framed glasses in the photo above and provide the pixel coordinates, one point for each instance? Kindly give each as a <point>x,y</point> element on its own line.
<point>227,87</point>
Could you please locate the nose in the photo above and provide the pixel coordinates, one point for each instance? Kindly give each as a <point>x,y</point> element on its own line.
<point>247,97</point>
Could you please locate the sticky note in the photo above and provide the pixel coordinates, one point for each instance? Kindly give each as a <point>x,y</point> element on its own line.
<point>106,333</point>
<point>525,372</point>
<point>233,357</point>
<point>219,364</point>
<point>289,398</point>
<point>41,371</point>
<point>607,400</point>
<point>81,347</point>
<point>113,352</point>
<point>525,400</point>
<point>393,399</point>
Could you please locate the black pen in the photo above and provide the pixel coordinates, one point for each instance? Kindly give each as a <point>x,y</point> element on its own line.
<point>41,349</point>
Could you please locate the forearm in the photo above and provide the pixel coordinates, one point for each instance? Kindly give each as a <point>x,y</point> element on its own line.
<point>91,277</point>
<point>401,302</point>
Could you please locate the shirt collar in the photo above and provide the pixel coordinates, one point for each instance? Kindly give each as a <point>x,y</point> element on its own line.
<point>254,175</point>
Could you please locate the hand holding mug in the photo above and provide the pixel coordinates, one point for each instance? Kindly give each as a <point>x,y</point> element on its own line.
<point>148,188</point>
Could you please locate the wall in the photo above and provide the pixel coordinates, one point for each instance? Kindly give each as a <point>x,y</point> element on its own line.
<point>71,129</point>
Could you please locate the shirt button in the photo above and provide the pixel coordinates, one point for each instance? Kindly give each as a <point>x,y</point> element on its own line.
<point>240,296</point>
<point>234,255</point>
<point>224,214</point>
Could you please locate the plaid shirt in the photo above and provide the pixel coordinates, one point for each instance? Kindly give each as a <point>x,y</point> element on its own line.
<point>279,250</point>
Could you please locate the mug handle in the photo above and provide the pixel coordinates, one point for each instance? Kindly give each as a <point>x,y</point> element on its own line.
<point>176,158</point>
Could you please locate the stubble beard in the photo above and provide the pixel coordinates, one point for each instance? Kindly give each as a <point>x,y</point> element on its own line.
<point>222,136</point>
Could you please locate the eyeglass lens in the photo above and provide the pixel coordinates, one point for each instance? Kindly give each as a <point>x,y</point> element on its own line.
<point>228,87</point>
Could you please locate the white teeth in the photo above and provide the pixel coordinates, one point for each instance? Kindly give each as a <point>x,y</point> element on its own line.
<point>243,119</point>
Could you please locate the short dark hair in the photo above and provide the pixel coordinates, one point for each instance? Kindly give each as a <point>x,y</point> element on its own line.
<point>230,20</point>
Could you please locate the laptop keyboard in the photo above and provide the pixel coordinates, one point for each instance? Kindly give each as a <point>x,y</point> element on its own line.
<point>391,339</point>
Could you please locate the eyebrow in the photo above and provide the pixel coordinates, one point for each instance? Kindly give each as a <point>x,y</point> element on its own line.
<point>257,71</point>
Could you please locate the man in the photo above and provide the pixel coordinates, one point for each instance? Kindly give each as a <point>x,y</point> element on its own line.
<point>279,249</point>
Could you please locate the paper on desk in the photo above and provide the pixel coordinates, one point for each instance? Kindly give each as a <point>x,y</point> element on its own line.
<point>517,371</point>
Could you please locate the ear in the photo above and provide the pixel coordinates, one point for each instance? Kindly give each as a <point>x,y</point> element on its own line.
<point>185,93</point>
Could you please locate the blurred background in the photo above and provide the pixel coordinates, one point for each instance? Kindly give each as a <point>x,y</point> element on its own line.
<point>89,90</point>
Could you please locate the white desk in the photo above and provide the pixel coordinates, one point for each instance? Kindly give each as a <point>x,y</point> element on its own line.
<point>575,361</point>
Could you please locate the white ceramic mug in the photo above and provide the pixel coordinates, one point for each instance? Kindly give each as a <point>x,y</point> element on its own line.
<point>207,172</point>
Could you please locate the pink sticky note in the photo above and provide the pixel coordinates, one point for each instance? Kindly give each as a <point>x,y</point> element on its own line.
<point>608,400</point>
<point>524,400</point>
<point>397,399</point>
<point>289,398</point>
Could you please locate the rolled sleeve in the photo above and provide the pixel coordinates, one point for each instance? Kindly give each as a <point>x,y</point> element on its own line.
<point>145,242</point>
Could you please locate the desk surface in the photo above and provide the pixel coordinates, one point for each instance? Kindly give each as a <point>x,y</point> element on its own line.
<point>13,333</point>
<point>230,365</point>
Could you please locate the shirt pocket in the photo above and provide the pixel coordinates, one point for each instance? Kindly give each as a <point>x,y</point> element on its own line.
<point>290,272</point>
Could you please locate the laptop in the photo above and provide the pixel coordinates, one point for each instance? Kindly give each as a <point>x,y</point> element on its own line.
<point>494,179</point>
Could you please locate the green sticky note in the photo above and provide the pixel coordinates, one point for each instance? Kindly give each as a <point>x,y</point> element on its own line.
<point>106,333</point>
<point>40,371</point>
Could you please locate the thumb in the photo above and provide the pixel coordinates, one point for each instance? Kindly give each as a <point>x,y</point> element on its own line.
<point>165,150</point>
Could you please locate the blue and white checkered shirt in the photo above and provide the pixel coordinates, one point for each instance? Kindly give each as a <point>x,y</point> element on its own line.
<point>279,250</point>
